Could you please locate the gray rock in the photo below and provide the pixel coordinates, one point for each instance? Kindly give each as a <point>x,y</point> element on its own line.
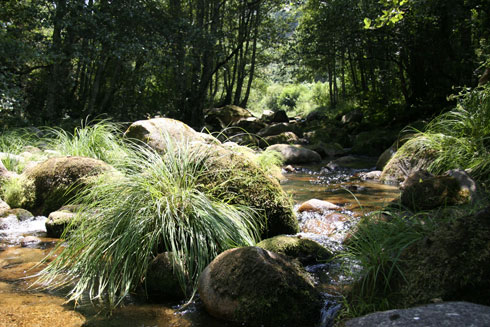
<point>155,131</point>
<point>58,220</point>
<point>295,154</point>
<point>277,129</point>
<point>446,314</point>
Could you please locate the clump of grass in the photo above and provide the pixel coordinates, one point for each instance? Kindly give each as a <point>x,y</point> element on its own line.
<point>14,142</point>
<point>14,191</point>
<point>459,138</point>
<point>156,205</point>
<point>376,247</point>
<point>99,139</point>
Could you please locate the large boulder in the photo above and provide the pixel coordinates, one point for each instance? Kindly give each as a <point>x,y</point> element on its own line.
<point>406,161</point>
<point>283,138</point>
<point>447,314</point>
<point>219,118</point>
<point>304,250</point>
<point>155,131</point>
<point>295,154</point>
<point>161,282</point>
<point>254,286</point>
<point>20,213</point>
<point>372,143</point>
<point>432,192</point>
<point>250,125</point>
<point>278,128</point>
<point>239,173</point>
<point>52,183</point>
<point>452,263</point>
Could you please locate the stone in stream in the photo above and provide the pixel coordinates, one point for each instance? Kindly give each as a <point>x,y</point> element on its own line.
<point>296,154</point>
<point>58,220</point>
<point>161,282</point>
<point>447,314</point>
<point>304,250</point>
<point>3,206</point>
<point>254,286</point>
<point>219,118</point>
<point>50,184</point>
<point>20,213</point>
<point>317,206</point>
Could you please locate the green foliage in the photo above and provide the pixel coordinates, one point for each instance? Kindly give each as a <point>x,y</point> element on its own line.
<point>295,99</point>
<point>459,138</point>
<point>14,191</point>
<point>100,140</point>
<point>14,142</point>
<point>156,204</point>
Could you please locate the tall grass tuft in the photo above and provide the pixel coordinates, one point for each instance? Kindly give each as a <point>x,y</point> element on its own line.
<point>99,139</point>
<point>13,142</point>
<point>376,247</point>
<point>156,205</point>
<point>459,138</point>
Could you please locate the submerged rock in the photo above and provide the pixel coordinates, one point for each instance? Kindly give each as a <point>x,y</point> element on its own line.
<point>295,154</point>
<point>255,286</point>
<point>448,314</point>
<point>304,250</point>
<point>317,206</point>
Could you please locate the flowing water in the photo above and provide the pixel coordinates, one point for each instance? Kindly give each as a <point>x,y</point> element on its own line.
<point>24,244</point>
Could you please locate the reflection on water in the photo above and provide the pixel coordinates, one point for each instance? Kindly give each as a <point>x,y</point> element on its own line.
<point>24,244</point>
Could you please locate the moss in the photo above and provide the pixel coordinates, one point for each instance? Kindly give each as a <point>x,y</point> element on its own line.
<point>239,175</point>
<point>305,250</point>
<point>434,192</point>
<point>262,287</point>
<point>21,214</point>
<point>56,180</point>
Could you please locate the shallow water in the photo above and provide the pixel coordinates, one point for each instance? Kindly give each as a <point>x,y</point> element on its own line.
<point>24,244</point>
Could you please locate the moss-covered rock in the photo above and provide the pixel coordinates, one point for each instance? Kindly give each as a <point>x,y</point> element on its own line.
<point>20,213</point>
<point>452,264</point>
<point>154,131</point>
<point>161,283</point>
<point>255,286</point>
<point>3,206</point>
<point>219,118</point>
<point>304,250</point>
<point>295,154</point>
<point>433,192</point>
<point>406,161</point>
<point>52,183</point>
<point>237,172</point>
<point>285,138</point>
<point>58,220</point>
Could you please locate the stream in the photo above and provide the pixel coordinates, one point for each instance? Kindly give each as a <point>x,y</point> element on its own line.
<point>24,244</point>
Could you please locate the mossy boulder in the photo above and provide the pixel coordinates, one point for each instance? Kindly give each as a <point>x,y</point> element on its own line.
<point>52,183</point>
<point>154,131</point>
<point>58,220</point>
<point>219,118</point>
<point>161,283</point>
<point>250,125</point>
<point>255,286</point>
<point>239,175</point>
<point>279,128</point>
<point>304,250</point>
<point>284,138</point>
<point>406,160</point>
<point>451,264</point>
<point>295,154</point>
<point>20,213</point>
<point>433,192</point>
